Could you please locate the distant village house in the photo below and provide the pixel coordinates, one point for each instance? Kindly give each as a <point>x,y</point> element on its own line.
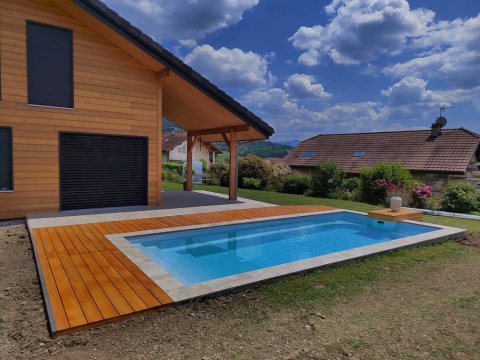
<point>434,156</point>
<point>174,148</point>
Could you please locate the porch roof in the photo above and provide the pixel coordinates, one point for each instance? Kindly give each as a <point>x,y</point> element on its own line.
<point>189,100</point>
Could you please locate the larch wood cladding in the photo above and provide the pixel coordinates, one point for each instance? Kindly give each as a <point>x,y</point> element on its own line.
<point>113,94</point>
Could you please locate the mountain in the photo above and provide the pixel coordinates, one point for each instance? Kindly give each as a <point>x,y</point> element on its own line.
<point>291,143</point>
<point>262,148</point>
<point>169,127</point>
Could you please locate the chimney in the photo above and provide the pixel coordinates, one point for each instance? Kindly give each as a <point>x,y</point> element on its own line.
<point>436,130</point>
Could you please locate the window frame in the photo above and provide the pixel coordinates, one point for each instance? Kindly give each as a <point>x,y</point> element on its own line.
<point>72,66</point>
<point>12,185</point>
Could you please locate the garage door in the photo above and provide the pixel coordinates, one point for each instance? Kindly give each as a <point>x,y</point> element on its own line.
<point>99,171</point>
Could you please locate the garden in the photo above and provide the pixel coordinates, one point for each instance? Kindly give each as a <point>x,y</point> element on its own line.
<point>374,185</point>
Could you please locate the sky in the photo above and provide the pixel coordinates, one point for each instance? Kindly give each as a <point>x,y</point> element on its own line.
<point>309,67</point>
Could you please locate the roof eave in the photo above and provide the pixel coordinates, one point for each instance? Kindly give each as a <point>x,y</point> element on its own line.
<point>174,64</point>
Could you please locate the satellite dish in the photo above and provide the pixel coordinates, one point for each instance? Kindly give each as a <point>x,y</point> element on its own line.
<point>441,121</point>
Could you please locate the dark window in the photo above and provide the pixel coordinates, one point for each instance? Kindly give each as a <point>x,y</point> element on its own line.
<point>50,65</point>
<point>6,182</point>
<point>359,153</point>
<point>309,153</point>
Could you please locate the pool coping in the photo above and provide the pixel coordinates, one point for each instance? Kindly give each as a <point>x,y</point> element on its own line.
<point>182,292</point>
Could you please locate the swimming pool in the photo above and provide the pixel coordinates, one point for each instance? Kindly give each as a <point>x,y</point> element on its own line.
<point>198,255</point>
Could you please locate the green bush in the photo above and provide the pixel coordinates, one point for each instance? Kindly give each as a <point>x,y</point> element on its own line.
<point>351,184</point>
<point>295,183</point>
<point>277,174</point>
<point>171,175</point>
<point>173,166</point>
<point>219,174</point>
<point>391,173</point>
<point>460,197</point>
<point>251,183</point>
<point>326,178</point>
<point>253,167</point>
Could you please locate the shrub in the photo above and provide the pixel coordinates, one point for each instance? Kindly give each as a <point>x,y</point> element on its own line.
<point>374,178</point>
<point>460,197</point>
<point>253,167</point>
<point>219,174</point>
<point>173,166</point>
<point>351,184</point>
<point>251,183</point>
<point>277,174</point>
<point>433,203</point>
<point>171,175</point>
<point>295,183</point>
<point>420,194</point>
<point>326,178</point>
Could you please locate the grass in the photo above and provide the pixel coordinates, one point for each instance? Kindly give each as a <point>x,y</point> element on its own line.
<point>289,199</point>
<point>341,283</point>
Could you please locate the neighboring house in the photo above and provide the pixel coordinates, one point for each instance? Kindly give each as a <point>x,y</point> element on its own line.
<point>174,148</point>
<point>83,95</point>
<point>431,158</point>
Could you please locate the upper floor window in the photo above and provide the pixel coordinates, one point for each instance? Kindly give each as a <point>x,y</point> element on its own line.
<point>182,148</point>
<point>6,178</point>
<point>49,65</point>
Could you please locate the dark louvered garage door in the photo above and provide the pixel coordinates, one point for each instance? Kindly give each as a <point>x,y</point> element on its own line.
<point>102,171</point>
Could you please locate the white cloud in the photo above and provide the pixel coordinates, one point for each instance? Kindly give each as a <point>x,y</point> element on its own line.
<point>288,117</point>
<point>274,101</point>
<point>360,30</point>
<point>453,54</point>
<point>231,68</point>
<point>302,86</point>
<point>188,43</point>
<point>409,99</point>
<point>191,19</point>
<point>410,90</point>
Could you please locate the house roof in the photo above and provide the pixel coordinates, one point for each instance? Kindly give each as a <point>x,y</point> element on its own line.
<point>111,18</point>
<point>450,152</point>
<point>175,139</point>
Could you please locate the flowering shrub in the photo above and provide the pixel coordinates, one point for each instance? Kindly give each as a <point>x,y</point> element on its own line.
<point>373,188</point>
<point>420,194</point>
<point>278,172</point>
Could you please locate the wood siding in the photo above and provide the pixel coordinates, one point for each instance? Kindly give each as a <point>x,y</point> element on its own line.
<point>113,94</point>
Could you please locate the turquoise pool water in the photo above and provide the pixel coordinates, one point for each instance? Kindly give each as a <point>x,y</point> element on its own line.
<point>194,256</point>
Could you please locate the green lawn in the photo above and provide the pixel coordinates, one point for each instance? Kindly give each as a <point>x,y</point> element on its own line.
<point>289,199</point>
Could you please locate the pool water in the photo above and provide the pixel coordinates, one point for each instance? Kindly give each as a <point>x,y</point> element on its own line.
<point>198,255</point>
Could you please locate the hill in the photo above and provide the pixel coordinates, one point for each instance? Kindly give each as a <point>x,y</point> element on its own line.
<point>262,148</point>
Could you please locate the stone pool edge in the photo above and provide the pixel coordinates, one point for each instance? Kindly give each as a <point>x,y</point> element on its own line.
<point>181,292</point>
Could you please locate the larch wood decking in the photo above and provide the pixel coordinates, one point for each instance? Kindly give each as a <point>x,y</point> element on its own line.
<point>87,281</point>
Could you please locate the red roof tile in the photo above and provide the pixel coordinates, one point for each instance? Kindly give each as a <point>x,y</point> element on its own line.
<point>450,152</point>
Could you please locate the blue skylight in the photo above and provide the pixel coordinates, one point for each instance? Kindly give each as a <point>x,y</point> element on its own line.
<point>359,153</point>
<point>309,153</point>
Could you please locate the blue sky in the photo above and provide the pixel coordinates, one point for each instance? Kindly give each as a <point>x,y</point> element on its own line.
<point>309,67</point>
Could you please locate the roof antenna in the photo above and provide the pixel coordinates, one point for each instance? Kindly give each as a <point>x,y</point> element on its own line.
<point>444,108</point>
<point>440,122</point>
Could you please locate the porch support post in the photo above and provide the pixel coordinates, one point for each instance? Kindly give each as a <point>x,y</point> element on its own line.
<point>189,170</point>
<point>233,181</point>
<point>159,138</point>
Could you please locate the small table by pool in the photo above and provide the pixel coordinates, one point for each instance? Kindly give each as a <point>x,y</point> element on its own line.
<point>403,214</point>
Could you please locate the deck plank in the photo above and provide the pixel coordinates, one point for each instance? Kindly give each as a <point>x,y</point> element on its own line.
<point>88,280</point>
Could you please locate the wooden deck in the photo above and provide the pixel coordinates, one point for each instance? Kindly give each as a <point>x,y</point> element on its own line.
<point>403,214</point>
<point>87,281</point>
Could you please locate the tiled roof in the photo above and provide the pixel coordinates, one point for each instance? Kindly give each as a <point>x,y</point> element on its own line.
<point>108,16</point>
<point>450,152</point>
<point>175,139</point>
